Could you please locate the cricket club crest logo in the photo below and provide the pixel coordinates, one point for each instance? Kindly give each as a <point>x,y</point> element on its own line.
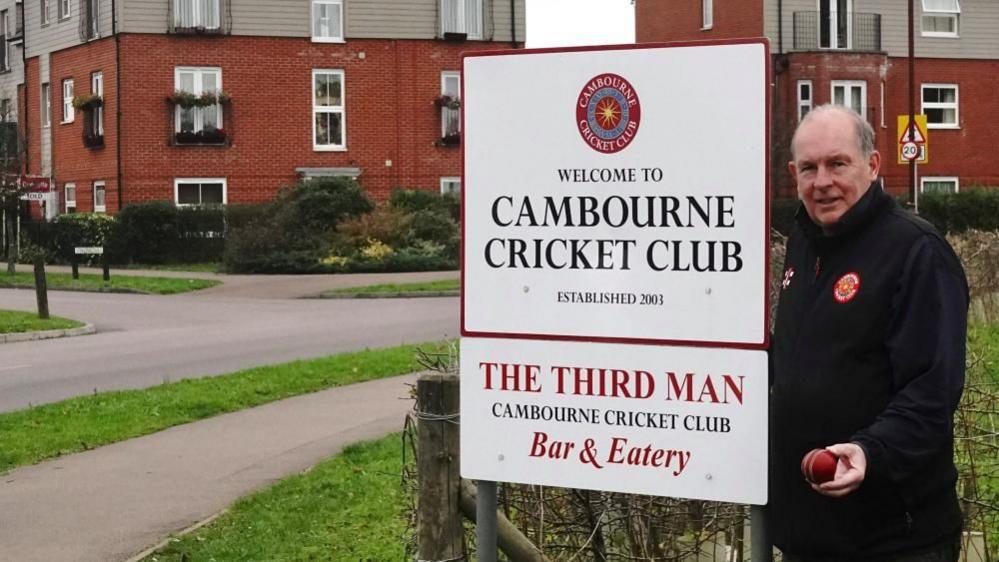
<point>846,288</point>
<point>608,113</point>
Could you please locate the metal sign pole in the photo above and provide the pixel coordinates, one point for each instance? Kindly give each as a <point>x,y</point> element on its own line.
<point>485,521</point>
<point>761,550</point>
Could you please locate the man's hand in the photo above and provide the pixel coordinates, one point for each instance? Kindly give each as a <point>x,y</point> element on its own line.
<point>850,470</point>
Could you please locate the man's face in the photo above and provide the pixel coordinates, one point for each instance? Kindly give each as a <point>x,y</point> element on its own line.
<point>831,172</point>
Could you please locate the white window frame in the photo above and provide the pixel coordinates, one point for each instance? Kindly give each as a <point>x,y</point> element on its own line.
<point>69,202</point>
<point>707,14</point>
<point>45,7</point>
<point>68,111</point>
<point>953,15</point>
<point>102,208</point>
<point>63,10</point>
<point>803,103</point>
<point>337,36</point>
<point>954,179</point>
<point>462,17</point>
<point>342,109</point>
<point>834,27</point>
<point>197,10</point>
<point>178,181</point>
<point>46,105</point>
<point>199,79</point>
<point>5,48</point>
<point>445,112</point>
<point>956,106</point>
<point>97,87</point>
<point>450,179</point>
<point>847,85</point>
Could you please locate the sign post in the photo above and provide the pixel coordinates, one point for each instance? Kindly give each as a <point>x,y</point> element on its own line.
<point>614,269</point>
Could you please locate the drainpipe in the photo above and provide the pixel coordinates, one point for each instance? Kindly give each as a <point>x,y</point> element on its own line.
<point>513,23</point>
<point>780,27</point>
<point>117,98</point>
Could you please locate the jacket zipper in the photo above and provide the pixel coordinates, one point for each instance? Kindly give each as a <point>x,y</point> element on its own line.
<point>818,268</point>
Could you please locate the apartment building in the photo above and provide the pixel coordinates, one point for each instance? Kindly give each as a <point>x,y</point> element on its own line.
<point>855,53</point>
<point>227,101</point>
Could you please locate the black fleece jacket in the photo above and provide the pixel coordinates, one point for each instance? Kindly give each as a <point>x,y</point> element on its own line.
<point>869,347</point>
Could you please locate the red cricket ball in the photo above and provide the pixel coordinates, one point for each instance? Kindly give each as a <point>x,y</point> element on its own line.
<point>818,466</point>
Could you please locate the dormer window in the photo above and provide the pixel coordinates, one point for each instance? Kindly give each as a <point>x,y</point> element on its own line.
<point>461,18</point>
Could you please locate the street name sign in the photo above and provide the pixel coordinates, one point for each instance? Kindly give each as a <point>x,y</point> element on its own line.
<point>617,194</point>
<point>614,268</point>
<point>89,250</point>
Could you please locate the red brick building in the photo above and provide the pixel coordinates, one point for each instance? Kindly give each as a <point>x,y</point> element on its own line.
<point>855,53</point>
<point>227,101</point>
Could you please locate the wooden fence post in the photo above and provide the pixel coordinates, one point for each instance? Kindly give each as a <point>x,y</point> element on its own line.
<point>439,531</point>
<point>41,288</point>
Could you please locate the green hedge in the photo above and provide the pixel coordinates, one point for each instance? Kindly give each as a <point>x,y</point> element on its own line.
<point>974,209</point>
<point>159,232</point>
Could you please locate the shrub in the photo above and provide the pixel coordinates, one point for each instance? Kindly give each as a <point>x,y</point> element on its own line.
<point>974,209</point>
<point>161,232</point>
<point>436,227</point>
<point>782,214</point>
<point>413,200</point>
<point>62,235</point>
<point>385,224</point>
<point>293,234</point>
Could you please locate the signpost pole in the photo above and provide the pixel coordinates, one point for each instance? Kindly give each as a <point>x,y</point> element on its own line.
<point>485,521</point>
<point>761,549</point>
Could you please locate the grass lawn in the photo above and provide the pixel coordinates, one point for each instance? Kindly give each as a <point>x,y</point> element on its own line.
<point>93,282</point>
<point>347,509</point>
<point>426,287</point>
<point>41,432</point>
<point>13,322</point>
<point>984,339</point>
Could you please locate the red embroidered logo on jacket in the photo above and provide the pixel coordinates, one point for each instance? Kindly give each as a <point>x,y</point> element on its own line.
<point>846,288</point>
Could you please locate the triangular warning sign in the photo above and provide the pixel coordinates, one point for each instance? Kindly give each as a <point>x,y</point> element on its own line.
<point>907,137</point>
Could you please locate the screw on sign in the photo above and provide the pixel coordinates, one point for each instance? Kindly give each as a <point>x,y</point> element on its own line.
<point>910,151</point>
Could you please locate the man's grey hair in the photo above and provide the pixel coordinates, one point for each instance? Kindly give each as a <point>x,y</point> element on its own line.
<point>865,133</point>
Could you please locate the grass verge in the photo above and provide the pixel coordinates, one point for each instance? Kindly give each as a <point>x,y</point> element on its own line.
<point>41,432</point>
<point>15,322</point>
<point>122,283</point>
<point>425,287</point>
<point>347,509</point>
<point>983,339</point>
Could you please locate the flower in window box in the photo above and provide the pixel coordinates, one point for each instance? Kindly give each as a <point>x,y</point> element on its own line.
<point>84,102</point>
<point>183,99</point>
<point>449,102</point>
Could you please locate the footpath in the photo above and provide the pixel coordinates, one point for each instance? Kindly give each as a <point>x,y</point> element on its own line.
<point>111,503</point>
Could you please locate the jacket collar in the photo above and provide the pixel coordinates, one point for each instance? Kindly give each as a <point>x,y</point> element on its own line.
<point>855,219</point>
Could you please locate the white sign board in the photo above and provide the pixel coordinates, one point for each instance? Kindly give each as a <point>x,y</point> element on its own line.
<point>617,194</point>
<point>81,250</point>
<point>658,420</point>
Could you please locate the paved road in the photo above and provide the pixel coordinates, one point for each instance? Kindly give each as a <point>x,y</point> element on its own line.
<point>147,340</point>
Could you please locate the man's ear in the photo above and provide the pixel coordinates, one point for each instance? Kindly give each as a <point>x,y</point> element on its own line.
<point>793,169</point>
<point>874,164</point>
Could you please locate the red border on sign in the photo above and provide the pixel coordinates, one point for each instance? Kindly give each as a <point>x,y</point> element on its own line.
<point>766,187</point>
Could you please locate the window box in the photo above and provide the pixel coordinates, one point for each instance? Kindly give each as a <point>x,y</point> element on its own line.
<point>453,139</point>
<point>187,100</point>
<point>213,137</point>
<point>449,102</point>
<point>85,102</point>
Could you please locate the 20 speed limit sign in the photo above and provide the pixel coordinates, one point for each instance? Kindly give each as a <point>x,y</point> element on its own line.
<point>910,151</point>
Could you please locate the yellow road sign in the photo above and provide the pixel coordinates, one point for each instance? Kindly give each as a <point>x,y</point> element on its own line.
<point>906,140</point>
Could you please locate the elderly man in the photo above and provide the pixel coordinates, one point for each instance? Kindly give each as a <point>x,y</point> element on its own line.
<point>868,362</point>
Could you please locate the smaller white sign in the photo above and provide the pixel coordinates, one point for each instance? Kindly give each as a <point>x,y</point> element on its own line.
<point>34,196</point>
<point>89,250</point>
<point>665,421</point>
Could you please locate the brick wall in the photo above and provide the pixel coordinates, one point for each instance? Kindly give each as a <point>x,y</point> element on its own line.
<point>681,20</point>
<point>389,89</point>
<point>966,152</point>
<point>71,160</point>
